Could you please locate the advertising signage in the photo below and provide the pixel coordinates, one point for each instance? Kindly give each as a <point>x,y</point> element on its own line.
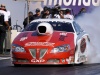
<point>76,5</point>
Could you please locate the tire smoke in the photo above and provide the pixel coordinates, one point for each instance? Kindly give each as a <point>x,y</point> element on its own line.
<point>90,22</point>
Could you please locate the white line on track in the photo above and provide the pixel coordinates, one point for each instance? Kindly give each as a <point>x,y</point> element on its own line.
<point>3,58</point>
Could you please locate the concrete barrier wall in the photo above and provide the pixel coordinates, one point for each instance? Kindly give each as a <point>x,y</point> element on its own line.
<point>10,36</point>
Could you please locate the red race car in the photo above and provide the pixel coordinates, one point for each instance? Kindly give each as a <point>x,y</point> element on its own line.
<point>50,41</point>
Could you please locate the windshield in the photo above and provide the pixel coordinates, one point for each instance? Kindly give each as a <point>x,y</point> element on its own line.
<point>57,26</point>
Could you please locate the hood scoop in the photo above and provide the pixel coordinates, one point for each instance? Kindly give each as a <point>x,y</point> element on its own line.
<point>44,29</point>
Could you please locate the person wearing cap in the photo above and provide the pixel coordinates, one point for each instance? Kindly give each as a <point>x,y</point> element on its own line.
<point>56,10</point>
<point>4,18</point>
<point>46,13</point>
<point>44,9</point>
<point>31,17</point>
<point>38,14</point>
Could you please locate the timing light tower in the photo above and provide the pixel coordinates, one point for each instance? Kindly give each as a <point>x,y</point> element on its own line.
<point>28,4</point>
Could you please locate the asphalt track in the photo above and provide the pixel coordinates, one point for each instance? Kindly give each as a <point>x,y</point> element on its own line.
<point>7,68</point>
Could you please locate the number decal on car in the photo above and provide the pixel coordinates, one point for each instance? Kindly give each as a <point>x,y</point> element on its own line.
<point>83,45</point>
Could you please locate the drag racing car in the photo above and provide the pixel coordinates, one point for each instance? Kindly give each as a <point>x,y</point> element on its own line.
<point>50,41</point>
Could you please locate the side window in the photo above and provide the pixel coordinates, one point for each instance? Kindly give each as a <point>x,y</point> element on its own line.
<point>27,28</point>
<point>80,29</point>
<point>31,27</point>
<point>77,28</point>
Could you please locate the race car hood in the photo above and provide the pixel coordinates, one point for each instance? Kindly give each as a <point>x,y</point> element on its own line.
<point>57,38</point>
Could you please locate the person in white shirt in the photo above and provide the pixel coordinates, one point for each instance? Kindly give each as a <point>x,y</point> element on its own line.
<point>56,10</point>
<point>4,12</point>
<point>3,25</point>
<point>67,15</point>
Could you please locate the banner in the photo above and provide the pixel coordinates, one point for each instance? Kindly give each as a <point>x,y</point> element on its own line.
<point>76,5</point>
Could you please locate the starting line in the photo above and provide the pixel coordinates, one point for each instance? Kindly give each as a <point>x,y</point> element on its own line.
<point>4,58</point>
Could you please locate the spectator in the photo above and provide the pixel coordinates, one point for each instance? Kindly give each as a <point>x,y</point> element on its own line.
<point>61,13</point>
<point>56,10</point>
<point>3,25</point>
<point>3,7</point>
<point>9,16</point>
<point>38,14</point>
<point>81,13</point>
<point>68,14</point>
<point>31,17</point>
<point>46,14</point>
<point>44,9</point>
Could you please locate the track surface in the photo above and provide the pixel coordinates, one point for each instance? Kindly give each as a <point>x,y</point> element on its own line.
<point>6,68</point>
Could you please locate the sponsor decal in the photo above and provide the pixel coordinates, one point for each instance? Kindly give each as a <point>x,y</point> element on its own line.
<point>83,45</point>
<point>71,59</point>
<point>72,2</point>
<point>62,36</point>
<point>39,44</point>
<point>25,35</point>
<point>23,38</point>
<point>75,5</point>
<point>82,58</point>
<point>37,61</point>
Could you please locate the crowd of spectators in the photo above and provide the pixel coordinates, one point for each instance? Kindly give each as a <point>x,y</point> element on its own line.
<point>55,12</point>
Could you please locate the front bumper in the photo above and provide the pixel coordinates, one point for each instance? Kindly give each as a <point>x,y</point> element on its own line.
<point>59,58</point>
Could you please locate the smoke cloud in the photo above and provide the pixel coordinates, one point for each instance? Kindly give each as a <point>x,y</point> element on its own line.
<point>90,22</point>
